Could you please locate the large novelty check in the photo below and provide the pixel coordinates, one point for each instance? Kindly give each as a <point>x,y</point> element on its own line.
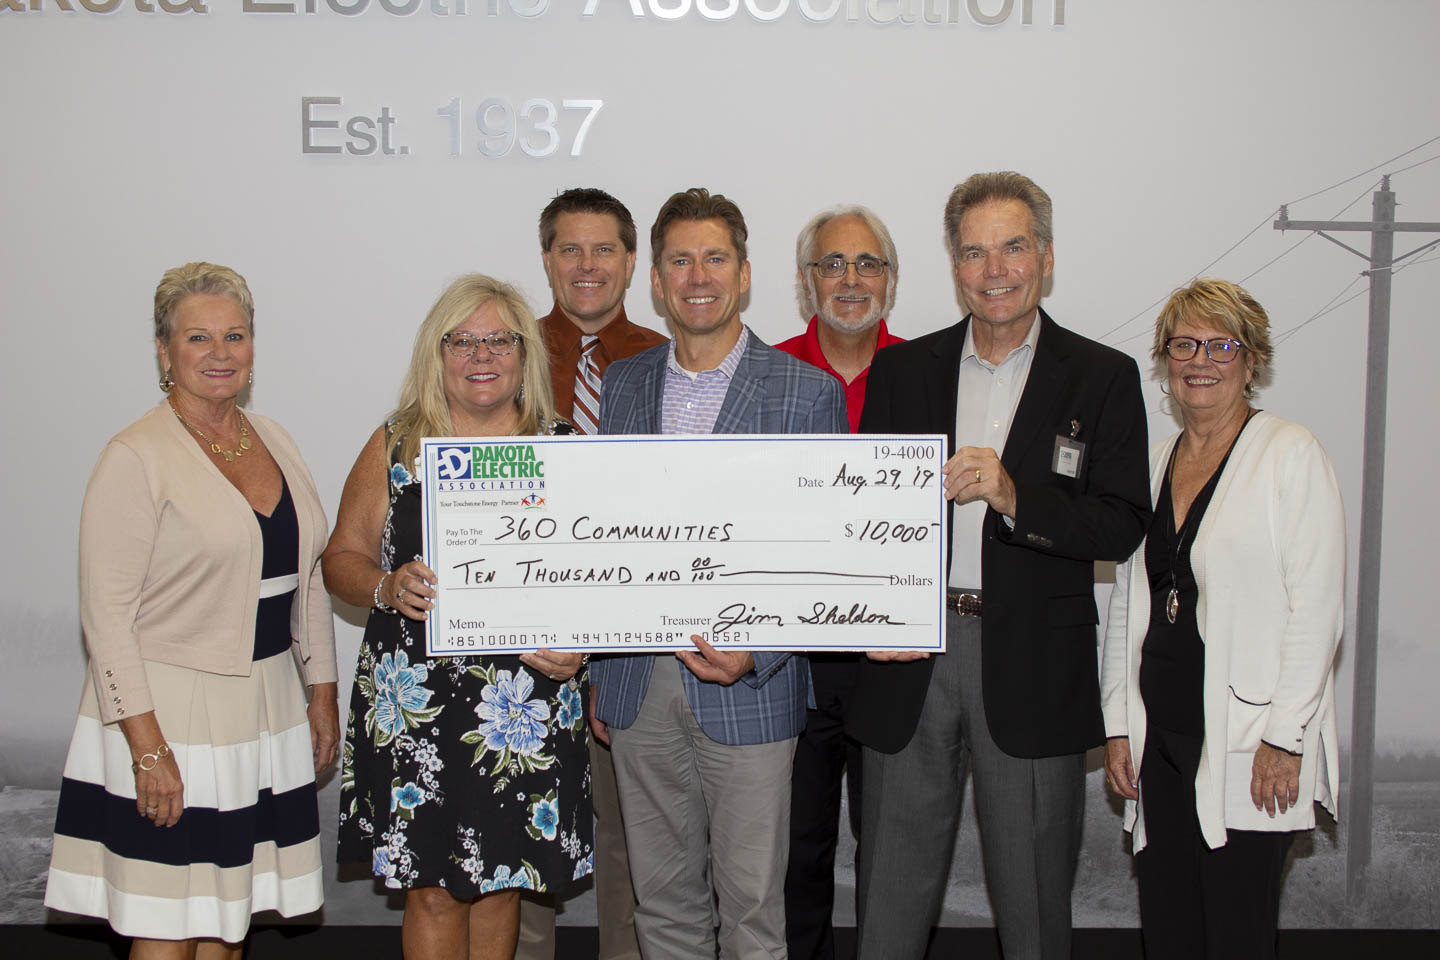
<point>636,543</point>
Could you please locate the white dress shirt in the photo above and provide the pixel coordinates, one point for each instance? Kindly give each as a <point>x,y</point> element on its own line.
<point>984,406</point>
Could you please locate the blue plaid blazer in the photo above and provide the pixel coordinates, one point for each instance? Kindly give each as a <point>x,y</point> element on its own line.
<point>772,392</point>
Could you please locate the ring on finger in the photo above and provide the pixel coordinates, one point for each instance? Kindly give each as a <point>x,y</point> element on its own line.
<point>399,594</point>
<point>977,476</point>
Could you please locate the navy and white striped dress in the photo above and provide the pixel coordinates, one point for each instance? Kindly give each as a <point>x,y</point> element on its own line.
<point>249,837</point>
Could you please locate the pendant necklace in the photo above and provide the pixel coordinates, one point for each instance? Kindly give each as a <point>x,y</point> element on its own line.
<point>215,448</point>
<point>1172,600</point>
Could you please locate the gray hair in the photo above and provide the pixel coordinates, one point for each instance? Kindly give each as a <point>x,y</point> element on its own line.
<point>982,188</point>
<point>805,253</point>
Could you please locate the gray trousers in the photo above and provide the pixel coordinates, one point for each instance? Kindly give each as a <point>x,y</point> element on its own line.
<point>707,826</point>
<point>614,897</point>
<point>1030,814</point>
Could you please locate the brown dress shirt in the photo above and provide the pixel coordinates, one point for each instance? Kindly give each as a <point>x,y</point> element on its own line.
<point>618,339</point>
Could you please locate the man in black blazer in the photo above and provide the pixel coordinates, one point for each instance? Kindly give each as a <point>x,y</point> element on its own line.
<point>1048,474</point>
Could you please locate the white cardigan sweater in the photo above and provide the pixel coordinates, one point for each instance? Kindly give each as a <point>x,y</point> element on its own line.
<point>1269,559</point>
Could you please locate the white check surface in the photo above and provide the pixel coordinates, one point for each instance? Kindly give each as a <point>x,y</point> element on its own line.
<point>636,543</point>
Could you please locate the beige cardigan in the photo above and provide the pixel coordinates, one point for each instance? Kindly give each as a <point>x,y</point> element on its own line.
<point>170,557</point>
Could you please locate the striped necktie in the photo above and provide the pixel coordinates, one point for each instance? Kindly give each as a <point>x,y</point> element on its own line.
<point>586,414</point>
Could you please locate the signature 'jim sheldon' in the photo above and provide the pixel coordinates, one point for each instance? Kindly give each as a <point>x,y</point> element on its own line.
<point>822,614</point>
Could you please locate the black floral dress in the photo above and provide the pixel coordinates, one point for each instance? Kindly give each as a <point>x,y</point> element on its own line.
<point>469,773</point>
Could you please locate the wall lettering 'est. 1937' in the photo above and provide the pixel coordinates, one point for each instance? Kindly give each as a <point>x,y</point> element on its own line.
<point>498,127</point>
<point>879,12</point>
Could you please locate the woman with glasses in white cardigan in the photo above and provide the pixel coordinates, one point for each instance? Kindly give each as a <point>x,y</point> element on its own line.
<point>1218,669</point>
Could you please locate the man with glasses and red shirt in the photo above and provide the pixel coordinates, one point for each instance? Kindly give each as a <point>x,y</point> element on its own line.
<point>846,271</point>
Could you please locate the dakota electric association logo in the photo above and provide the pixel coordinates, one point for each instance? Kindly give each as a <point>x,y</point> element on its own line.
<point>487,466</point>
<point>510,461</point>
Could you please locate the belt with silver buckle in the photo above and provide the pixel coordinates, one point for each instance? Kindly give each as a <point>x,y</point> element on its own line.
<point>965,604</point>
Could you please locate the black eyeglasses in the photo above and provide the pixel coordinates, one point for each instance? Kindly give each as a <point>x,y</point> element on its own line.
<point>1219,349</point>
<point>463,345</point>
<point>832,267</point>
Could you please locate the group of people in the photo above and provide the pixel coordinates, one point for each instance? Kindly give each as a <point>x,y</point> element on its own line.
<point>703,789</point>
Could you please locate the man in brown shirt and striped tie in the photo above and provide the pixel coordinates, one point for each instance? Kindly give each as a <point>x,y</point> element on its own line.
<point>587,241</point>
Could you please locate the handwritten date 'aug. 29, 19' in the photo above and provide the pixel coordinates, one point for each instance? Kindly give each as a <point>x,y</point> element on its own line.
<point>857,480</point>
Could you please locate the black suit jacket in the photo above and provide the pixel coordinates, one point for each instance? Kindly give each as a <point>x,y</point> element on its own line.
<point>1041,682</point>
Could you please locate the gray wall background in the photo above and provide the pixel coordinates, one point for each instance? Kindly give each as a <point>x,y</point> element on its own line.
<point>1168,133</point>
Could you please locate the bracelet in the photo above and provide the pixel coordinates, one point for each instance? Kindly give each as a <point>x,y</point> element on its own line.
<point>161,752</point>
<point>381,605</point>
<point>574,682</point>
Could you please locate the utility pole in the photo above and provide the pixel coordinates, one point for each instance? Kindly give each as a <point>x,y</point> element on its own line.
<point>1382,227</point>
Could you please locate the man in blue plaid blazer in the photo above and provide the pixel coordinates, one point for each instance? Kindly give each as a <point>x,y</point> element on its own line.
<point>703,740</point>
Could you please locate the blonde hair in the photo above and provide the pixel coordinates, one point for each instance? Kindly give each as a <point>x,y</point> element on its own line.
<point>1227,304</point>
<point>199,277</point>
<point>423,410</point>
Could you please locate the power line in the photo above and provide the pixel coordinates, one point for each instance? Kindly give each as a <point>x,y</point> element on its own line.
<point>1146,309</point>
<point>1363,172</point>
<point>1406,266</point>
<point>1327,308</point>
<point>1373,185</point>
<point>1277,259</point>
<point>1142,333</point>
<point>1358,197</point>
<point>1143,311</point>
<point>1331,306</point>
<point>1414,165</point>
<point>1430,259</point>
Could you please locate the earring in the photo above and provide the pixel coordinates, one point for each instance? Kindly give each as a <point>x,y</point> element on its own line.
<point>520,395</point>
<point>167,383</point>
<point>1164,387</point>
<point>252,376</point>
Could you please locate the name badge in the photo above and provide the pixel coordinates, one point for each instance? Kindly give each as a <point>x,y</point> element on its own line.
<point>1069,455</point>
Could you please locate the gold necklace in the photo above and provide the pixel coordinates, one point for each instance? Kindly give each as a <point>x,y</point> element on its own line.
<point>229,455</point>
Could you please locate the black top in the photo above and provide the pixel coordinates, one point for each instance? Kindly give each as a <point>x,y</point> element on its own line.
<point>1172,658</point>
<point>280,536</point>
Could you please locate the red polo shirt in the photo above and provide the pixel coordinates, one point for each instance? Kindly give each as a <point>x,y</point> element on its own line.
<point>807,347</point>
